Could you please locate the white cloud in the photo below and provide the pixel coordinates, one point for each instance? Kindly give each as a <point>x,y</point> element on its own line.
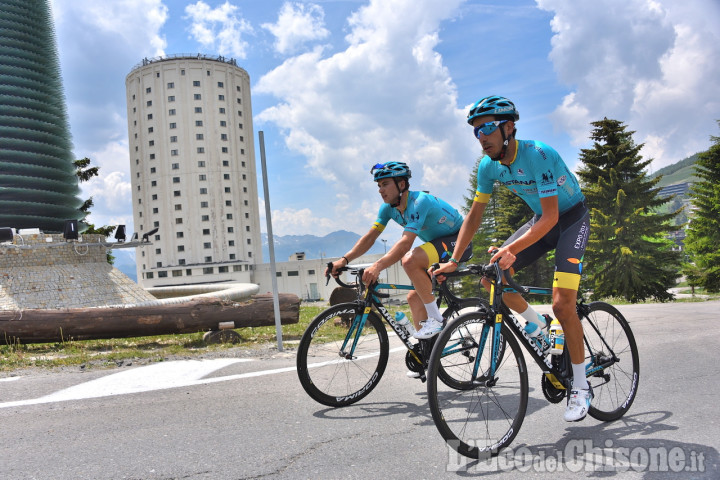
<point>648,63</point>
<point>135,22</point>
<point>111,189</point>
<point>98,43</point>
<point>387,96</point>
<point>219,29</point>
<point>297,24</point>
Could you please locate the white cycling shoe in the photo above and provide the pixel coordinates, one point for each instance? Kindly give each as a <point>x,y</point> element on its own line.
<point>430,328</point>
<point>578,405</point>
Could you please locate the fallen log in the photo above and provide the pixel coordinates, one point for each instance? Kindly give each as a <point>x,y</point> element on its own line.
<point>195,315</point>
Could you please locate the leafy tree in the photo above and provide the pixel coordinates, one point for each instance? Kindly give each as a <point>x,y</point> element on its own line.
<point>628,254</point>
<point>483,238</point>
<point>84,174</point>
<point>703,233</point>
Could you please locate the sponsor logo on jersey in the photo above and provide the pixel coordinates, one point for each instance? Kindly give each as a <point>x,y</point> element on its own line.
<point>562,180</point>
<point>547,178</point>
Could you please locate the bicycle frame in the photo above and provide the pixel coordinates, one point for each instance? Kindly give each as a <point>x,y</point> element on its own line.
<point>500,313</point>
<point>371,298</point>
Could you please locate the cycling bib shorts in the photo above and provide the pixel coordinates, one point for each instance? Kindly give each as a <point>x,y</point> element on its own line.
<point>441,249</point>
<point>568,238</point>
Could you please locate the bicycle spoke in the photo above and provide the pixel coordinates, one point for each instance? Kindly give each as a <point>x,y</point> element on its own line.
<point>608,339</point>
<point>324,370</point>
<point>478,419</point>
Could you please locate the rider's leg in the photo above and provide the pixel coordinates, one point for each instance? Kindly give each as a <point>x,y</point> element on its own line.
<point>421,300</point>
<point>517,303</point>
<point>564,300</point>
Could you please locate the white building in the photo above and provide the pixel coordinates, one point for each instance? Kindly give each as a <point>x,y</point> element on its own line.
<point>192,162</point>
<point>193,170</point>
<point>306,278</point>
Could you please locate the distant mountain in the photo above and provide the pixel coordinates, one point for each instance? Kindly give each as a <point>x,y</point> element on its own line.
<point>333,244</point>
<point>125,262</point>
<point>680,172</point>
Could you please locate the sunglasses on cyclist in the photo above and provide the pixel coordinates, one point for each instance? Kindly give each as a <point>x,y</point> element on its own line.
<point>487,128</point>
<point>377,166</point>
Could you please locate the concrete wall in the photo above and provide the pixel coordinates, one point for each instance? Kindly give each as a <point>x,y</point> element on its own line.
<point>45,271</point>
<point>306,279</point>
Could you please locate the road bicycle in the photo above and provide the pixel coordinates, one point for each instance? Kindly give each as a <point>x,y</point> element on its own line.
<point>344,351</point>
<point>482,419</point>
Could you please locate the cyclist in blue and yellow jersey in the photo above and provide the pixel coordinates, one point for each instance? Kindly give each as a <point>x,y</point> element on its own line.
<point>422,215</point>
<point>536,173</point>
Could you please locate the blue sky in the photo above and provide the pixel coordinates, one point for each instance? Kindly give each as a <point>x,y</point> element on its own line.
<point>339,85</point>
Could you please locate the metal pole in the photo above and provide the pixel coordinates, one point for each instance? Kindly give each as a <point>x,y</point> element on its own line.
<point>271,244</point>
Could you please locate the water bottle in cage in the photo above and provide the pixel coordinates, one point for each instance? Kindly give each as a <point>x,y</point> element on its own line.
<point>403,320</point>
<point>557,338</point>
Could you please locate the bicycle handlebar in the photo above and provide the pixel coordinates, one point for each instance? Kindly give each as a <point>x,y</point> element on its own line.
<point>337,279</point>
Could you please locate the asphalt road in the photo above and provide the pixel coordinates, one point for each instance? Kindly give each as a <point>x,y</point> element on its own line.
<point>237,419</point>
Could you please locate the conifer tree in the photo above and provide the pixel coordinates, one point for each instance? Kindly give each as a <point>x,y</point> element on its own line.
<point>482,239</point>
<point>628,254</point>
<point>703,233</point>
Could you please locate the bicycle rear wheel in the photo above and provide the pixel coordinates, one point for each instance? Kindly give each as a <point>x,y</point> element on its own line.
<point>480,420</point>
<point>326,371</point>
<point>613,364</point>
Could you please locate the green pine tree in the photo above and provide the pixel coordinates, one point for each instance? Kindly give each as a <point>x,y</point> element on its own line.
<point>85,173</point>
<point>484,237</point>
<point>628,254</point>
<point>703,233</point>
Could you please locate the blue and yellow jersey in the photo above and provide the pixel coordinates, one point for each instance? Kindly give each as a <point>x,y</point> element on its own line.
<point>425,215</point>
<point>536,172</point>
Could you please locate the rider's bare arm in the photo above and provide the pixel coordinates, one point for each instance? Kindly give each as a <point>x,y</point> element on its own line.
<point>360,247</point>
<point>469,227</point>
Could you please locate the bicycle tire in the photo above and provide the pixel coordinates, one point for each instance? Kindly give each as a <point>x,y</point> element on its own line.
<point>325,375</point>
<point>463,349</point>
<point>479,422</point>
<point>614,386</point>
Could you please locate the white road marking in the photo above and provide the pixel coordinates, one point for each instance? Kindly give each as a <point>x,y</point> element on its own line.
<point>9,379</point>
<point>159,376</point>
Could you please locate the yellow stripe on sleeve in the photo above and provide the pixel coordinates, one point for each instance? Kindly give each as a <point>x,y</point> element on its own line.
<point>378,226</point>
<point>481,197</point>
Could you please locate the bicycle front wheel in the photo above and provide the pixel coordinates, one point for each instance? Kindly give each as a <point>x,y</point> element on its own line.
<point>330,373</point>
<point>484,417</point>
<point>613,364</point>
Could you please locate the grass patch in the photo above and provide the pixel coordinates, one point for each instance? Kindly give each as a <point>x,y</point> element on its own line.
<point>114,352</point>
<point>117,351</point>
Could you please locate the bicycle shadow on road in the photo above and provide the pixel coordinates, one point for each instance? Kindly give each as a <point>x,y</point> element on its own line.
<point>628,445</point>
<point>373,410</point>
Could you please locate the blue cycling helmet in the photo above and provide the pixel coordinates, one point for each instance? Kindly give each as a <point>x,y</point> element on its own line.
<point>493,105</point>
<point>390,170</point>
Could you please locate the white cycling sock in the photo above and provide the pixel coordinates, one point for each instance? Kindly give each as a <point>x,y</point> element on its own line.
<point>579,379</point>
<point>433,311</point>
<point>531,316</point>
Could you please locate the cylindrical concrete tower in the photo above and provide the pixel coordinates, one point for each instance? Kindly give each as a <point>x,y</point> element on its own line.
<point>192,167</point>
<point>38,185</point>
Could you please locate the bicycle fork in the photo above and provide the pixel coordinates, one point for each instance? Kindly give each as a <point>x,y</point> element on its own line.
<point>354,333</point>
